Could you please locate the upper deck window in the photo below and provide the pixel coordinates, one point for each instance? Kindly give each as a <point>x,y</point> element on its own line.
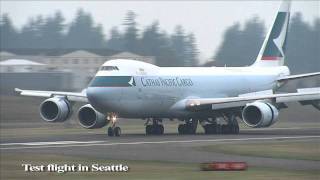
<point>109,68</point>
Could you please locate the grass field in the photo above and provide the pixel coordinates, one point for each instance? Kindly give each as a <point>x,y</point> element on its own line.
<point>11,168</point>
<point>304,150</point>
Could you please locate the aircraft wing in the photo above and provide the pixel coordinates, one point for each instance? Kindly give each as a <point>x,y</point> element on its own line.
<point>72,96</point>
<point>304,96</point>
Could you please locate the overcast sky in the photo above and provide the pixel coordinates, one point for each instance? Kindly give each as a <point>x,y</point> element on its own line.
<point>206,19</point>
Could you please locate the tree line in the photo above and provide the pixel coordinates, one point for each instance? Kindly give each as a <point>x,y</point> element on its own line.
<point>51,32</point>
<point>241,45</point>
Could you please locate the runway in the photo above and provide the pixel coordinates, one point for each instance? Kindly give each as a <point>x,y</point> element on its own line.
<point>168,147</point>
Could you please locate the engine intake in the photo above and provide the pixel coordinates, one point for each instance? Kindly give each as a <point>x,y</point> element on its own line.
<point>259,114</point>
<point>89,118</point>
<point>56,109</point>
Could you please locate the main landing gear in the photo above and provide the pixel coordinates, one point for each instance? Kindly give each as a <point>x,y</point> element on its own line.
<point>190,127</point>
<point>114,130</point>
<point>155,128</point>
<point>214,127</point>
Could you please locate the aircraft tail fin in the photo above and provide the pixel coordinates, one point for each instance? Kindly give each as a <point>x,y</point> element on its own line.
<point>272,52</point>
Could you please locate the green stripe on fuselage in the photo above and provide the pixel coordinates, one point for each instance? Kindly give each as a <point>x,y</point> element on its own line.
<point>112,81</point>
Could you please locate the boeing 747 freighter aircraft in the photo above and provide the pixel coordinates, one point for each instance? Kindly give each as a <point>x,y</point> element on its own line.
<point>215,97</point>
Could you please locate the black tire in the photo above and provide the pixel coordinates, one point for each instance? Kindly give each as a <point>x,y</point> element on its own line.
<point>213,128</point>
<point>218,129</point>
<point>117,131</point>
<point>148,129</point>
<point>161,129</point>
<point>236,129</point>
<point>156,129</point>
<point>181,129</point>
<point>206,129</point>
<point>233,129</point>
<point>187,129</point>
<point>225,129</point>
<point>229,129</point>
<point>191,129</point>
<point>110,132</point>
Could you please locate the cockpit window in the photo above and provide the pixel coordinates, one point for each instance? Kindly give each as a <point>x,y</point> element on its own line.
<point>109,68</point>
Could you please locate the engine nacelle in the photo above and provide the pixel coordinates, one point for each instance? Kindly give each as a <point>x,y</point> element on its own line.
<point>260,114</point>
<point>89,118</point>
<point>56,109</point>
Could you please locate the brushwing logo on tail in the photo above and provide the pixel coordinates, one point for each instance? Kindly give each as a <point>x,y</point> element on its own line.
<point>275,46</point>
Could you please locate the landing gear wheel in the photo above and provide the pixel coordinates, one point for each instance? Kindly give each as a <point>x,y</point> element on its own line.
<point>191,129</point>
<point>154,129</point>
<point>110,132</point>
<point>207,129</point>
<point>215,127</point>
<point>117,131</point>
<point>237,130</point>
<point>186,129</point>
<point>113,130</point>
<point>148,129</point>
<point>226,129</point>
<point>181,129</point>
<point>211,129</point>
<point>234,129</point>
<point>161,129</point>
<point>218,129</point>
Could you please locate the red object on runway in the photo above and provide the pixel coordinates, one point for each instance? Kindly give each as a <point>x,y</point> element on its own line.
<point>224,166</point>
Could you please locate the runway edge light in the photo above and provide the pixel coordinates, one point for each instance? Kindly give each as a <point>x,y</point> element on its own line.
<point>223,166</point>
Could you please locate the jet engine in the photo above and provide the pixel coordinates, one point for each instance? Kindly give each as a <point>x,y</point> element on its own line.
<point>56,109</point>
<point>259,114</point>
<point>90,118</point>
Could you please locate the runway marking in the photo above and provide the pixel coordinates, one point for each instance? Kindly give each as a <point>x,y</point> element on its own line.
<point>51,143</point>
<point>157,142</point>
<point>280,128</point>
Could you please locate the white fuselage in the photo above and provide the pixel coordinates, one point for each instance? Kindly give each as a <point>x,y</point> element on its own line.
<point>141,90</point>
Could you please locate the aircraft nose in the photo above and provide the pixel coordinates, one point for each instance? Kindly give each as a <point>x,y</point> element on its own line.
<point>95,98</point>
<point>90,93</point>
<point>104,99</point>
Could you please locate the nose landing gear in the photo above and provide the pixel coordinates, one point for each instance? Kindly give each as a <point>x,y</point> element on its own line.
<point>113,130</point>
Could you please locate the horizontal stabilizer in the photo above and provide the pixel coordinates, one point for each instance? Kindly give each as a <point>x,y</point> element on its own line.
<point>298,76</point>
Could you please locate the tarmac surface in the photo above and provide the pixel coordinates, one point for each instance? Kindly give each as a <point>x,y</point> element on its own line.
<point>167,147</point>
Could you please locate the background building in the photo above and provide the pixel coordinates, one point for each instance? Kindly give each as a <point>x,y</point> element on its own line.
<point>76,66</point>
<point>20,65</point>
